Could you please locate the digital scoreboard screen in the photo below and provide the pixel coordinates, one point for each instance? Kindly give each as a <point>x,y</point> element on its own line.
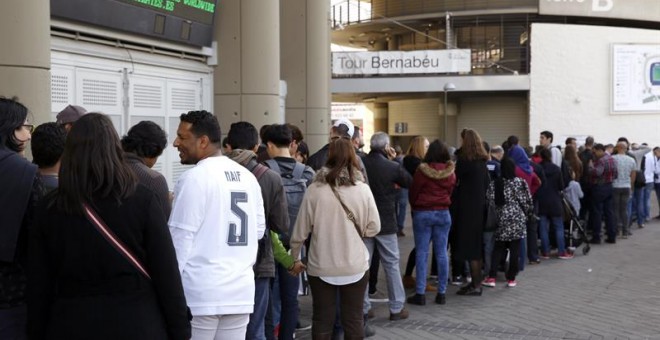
<point>184,21</point>
<point>195,10</point>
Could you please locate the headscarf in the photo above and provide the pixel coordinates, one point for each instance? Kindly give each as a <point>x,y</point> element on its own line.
<point>520,157</point>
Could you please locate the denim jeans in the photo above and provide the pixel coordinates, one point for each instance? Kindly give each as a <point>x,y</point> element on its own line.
<point>601,206</point>
<point>288,292</point>
<point>401,206</point>
<point>256,326</point>
<point>647,200</point>
<point>13,322</point>
<point>431,225</point>
<point>489,243</point>
<point>638,205</point>
<point>388,247</point>
<point>558,226</point>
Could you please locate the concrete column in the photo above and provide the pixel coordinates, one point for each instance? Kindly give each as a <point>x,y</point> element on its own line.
<point>305,65</point>
<point>25,55</point>
<point>247,77</point>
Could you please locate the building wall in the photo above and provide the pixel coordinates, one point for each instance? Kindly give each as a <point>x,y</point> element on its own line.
<point>570,91</point>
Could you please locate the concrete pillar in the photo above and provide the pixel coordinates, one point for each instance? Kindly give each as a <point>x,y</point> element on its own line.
<point>25,55</point>
<point>247,77</point>
<point>305,65</point>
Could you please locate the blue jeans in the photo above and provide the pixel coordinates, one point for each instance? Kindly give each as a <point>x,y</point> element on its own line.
<point>489,244</point>
<point>558,226</point>
<point>431,225</point>
<point>256,326</point>
<point>647,200</point>
<point>13,322</point>
<point>289,300</point>
<point>401,205</point>
<point>388,247</point>
<point>638,205</point>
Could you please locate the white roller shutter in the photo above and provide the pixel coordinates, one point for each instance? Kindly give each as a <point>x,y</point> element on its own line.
<point>130,92</point>
<point>495,118</point>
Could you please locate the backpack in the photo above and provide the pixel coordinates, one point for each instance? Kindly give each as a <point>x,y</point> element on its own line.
<point>294,189</point>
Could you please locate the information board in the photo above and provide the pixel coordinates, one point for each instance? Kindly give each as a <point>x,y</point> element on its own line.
<point>635,78</point>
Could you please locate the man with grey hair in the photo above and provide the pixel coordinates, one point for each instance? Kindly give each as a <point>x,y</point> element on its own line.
<point>384,174</point>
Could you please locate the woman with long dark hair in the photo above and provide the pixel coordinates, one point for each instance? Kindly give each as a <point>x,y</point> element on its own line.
<point>20,191</point>
<point>85,284</point>
<point>469,207</point>
<point>513,201</point>
<point>430,197</point>
<point>574,162</point>
<point>338,210</point>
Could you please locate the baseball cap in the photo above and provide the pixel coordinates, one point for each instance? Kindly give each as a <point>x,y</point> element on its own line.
<point>70,114</point>
<point>349,125</point>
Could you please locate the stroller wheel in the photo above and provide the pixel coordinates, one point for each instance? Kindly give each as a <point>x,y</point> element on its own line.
<point>585,249</point>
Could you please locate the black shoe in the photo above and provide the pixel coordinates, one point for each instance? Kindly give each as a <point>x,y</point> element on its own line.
<point>440,299</point>
<point>469,290</point>
<point>303,326</point>
<point>595,241</point>
<point>610,241</point>
<point>417,299</point>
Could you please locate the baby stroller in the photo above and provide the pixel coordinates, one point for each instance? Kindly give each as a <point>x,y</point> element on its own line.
<point>574,233</point>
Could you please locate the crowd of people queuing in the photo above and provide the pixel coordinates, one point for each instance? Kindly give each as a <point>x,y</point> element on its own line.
<point>94,245</point>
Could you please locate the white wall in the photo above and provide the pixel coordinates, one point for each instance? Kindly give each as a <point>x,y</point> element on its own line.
<point>571,84</point>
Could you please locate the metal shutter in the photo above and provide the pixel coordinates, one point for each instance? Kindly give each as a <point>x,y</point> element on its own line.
<point>495,118</point>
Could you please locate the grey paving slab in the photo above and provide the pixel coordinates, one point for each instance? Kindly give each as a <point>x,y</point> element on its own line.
<point>611,293</point>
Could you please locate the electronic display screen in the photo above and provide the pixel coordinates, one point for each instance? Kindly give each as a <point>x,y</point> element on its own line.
<point>185,21</point>
<point>194,10</point>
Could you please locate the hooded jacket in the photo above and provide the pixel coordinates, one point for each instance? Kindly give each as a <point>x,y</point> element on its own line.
<point>432,186</point>
<point>275,208</point>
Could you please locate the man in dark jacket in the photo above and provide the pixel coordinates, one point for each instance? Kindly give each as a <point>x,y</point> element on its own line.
<point>384,174</point>
<point>342,128</point>
<point>244,141</point>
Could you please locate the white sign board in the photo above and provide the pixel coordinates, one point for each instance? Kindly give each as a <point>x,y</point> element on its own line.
<point>635,78</point>
<point>401,62</point>
<point>648,10</point>
<point>347,110</point>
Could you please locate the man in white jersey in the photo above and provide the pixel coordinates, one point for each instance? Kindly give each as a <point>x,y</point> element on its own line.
<point>216,221</point>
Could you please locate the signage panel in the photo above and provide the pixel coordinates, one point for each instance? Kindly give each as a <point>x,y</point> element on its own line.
<point>401,62</point>
<point>635,78</point>
<point>647,10</point>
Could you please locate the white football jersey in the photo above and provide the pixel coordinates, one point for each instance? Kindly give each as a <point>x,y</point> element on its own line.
<point>216,222</point>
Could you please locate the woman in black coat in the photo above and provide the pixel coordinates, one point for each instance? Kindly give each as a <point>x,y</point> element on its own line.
<point>79,285</point>
<point>550,207</point>
<point>469,206</point>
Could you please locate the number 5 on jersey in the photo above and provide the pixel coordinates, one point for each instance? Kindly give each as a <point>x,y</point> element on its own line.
<point>238,237</point>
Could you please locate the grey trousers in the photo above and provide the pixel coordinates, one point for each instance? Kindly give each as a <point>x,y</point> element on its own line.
<point>620,197</point>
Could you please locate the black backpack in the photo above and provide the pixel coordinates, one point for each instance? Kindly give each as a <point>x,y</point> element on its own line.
<point>294,187</point>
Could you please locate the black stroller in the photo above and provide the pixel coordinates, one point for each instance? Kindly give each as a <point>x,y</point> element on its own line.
<point>574,233</point>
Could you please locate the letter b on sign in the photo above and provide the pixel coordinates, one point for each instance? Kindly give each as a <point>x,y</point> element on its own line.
<point>602,5</point>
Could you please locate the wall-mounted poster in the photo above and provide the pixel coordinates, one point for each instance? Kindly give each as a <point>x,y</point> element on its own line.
<point>636,78</point>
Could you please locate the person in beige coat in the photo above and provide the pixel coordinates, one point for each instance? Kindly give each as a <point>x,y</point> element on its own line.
<point>338,260</point>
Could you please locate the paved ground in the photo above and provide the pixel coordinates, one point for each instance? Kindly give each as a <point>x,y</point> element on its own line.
<point>611,293</point>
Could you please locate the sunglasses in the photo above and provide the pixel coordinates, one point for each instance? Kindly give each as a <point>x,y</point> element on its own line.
<point>29,127</point>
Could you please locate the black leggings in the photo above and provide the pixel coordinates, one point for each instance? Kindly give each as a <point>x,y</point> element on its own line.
<point>514,255</point>
<point>410,265</point>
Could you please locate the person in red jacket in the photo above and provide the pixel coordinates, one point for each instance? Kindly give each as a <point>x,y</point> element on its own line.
<point>430,197</point>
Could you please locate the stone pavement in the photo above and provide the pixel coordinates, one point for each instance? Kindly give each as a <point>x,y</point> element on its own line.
<point>611,293</point>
